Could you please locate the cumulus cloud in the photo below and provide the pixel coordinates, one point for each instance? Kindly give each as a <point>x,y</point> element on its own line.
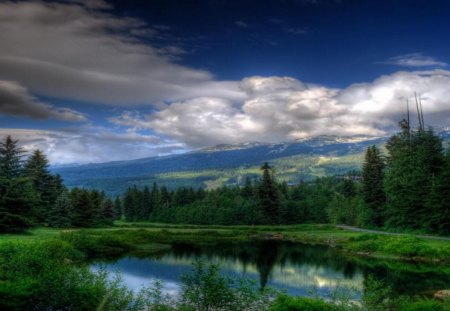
<point>92,144</point>
<point>415,60</point>
<point>78,50</point>
<point>15,100</point>
<point>282,108</point>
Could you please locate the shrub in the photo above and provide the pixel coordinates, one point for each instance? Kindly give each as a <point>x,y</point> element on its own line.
<point>288,303</point>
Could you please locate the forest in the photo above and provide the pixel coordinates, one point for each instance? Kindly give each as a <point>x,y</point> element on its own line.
<point>405,189</point>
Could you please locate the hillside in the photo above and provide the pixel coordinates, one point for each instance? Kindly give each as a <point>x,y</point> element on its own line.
<point>226,164</point>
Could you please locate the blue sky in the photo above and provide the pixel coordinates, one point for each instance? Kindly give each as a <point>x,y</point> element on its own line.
<point>93,81</point>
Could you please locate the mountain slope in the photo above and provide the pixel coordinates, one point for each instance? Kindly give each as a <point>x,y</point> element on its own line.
<point>226,164</point>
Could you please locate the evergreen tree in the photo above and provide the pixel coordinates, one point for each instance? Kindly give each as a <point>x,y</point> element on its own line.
<point>60,216</point>
<point>118,209</point>
<point>17,201</point>
<point>83,213</point>
<point>36,169</point>
<point>373,190</point>
<point>10,158</point>
<point>415,159</point>
<point>147,204</point>
<point>268,196</point>
<point>107,212</point>
<point>439,201</point>
<point>247,191</point>
<point>17,196</point>
<point>130,204</point>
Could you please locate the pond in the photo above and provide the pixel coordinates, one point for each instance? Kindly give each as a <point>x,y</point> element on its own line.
<point>298,269</point>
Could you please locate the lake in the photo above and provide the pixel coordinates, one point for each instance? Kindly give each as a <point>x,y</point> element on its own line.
<point>298,269</point>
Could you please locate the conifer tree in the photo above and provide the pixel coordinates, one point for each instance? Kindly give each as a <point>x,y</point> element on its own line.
<point>36,169</point>
<point>118,209</point>
<point>17,196</point>
<point>83,212</point>
<point>268,196</point>
<point>10,158</point>
<point>439,201</point>
<point>107,212</point>
<point>415,159</point>
<point>60,216</point>
<point>373,191</point>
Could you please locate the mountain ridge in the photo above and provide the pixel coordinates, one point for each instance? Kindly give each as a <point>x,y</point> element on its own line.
<point>220,164</point>
<point>210,167</point>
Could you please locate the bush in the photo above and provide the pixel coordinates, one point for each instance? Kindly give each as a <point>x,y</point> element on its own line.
<point>96,245</point>
<point>424,305</point>
<point>42,276</point>
<point>206,289</point>
<point>288,303</point>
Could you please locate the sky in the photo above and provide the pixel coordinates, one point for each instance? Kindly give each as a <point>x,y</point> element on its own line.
<point>96,80</point>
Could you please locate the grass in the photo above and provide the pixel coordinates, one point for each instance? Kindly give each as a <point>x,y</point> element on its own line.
<point>37,234</point>
<point>150,236</point>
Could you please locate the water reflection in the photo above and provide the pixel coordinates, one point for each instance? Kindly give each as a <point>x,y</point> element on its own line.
<point>297,269</point>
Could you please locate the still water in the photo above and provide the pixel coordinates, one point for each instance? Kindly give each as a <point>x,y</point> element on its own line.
<point>297,269</point>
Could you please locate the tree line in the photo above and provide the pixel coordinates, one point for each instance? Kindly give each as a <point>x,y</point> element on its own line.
<point>406,187</point>
<point>31,196</point>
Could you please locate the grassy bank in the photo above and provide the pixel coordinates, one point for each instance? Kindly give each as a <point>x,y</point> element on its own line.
<point>45,268</point>
<point>124,237</point>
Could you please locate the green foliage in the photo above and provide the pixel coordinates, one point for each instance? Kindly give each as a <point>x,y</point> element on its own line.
<point>415,158</point>
<point>41,276</point>
<point>268,195</point>
<point>288,303</point>
<point>94,245</point>
<point>373,191</point>
<point>17,201</point>
<point>404,246</point>
<point>61,214</point>
<point>438,203</point>
<point>423,305</point>
<point>206,289</point>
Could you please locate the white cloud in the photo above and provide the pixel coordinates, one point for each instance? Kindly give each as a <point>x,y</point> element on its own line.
<point>274,109</point>
<point>282,108</point>
<point>415,60</point>
<point>92,144</point>
<point>15,100</point>
<point>75,51</point>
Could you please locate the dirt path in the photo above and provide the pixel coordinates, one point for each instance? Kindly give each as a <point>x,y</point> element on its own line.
<point>430,237</point>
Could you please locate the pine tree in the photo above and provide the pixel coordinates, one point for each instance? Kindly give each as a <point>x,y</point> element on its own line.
<point>247,191</point>
<point>439,201</point>
<point>147,204</point>
<point>60,216</point>
<point>10,159</point>
<point>373,190</point>
<point>17,201</point>
<point>36,169</point>
<point>130,204</point>
<point>17,196</point>
<point>118,209</point>
<point>83,213</point>
<point>107,212</point>
<point>268,196</point>
<point>415,159</point>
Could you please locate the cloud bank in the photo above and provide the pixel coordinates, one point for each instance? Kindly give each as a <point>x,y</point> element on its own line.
<point>77,50</point>
<point>415,60</point>
<point>283,108</point>
<point>16,101</point>
<point>91,144</point>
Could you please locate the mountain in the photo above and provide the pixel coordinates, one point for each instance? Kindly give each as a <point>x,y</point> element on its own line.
<point>210,167</point>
